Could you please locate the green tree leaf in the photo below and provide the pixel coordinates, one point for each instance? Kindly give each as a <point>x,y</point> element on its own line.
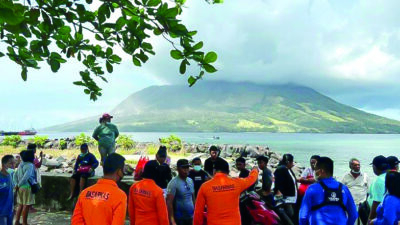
<point>209,68</point>
<point>191,81</point>
<point>24,73</point>
<point>54,65</point>
<point>182,68</point>
<point>210,57</point>
<point>109,67</point>
<point>136,61</point>
<point>176,54</point>
<point>153,3</point>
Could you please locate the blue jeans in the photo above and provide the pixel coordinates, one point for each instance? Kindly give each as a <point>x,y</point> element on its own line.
<point>6,220</point>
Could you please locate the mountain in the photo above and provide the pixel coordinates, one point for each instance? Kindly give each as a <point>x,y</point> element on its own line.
<point>237,107</point>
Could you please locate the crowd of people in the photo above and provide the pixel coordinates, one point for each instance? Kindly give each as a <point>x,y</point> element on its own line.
<point>200,196</point>
<point>207,195</point>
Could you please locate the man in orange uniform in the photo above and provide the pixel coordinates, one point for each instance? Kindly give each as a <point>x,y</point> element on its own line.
<point>146,200</point>
<point>103,203</point>
<point>221,196</point>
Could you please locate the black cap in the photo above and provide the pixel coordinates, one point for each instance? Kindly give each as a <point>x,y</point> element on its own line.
<point>221,165</point>
<point>263,158</point>
<point>393,161</point>
<point>182,163</point>
<point>162,151</point>
<point>380,162</point>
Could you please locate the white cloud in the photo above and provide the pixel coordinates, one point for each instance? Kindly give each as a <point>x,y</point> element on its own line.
<point>347,49</point>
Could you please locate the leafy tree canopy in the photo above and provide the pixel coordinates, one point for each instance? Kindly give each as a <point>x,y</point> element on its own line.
<point>31,30</point>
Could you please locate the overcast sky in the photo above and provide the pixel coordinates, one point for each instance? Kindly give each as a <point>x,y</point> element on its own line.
<point>348,50</point>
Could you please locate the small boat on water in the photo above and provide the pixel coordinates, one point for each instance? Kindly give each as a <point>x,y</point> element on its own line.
<point>216,138</point>
<point>21,133</point>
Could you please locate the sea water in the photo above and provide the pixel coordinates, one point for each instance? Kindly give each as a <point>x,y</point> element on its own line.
<point>340,147</point>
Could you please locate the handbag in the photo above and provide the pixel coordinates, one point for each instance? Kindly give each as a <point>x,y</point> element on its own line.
<point>84,169</point>
<point>363,212</point>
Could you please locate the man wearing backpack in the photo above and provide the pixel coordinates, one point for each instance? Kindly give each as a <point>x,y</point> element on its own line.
<point>327,202</point>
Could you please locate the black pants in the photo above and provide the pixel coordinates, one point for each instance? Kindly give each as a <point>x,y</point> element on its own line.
<point>184,222</point>
<point>287,214</point>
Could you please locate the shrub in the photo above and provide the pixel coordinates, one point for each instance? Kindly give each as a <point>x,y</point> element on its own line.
<point>82,139</point>
<point>39,140</point>
<point>173,142</point>
<point>63,144</point>
<point>125,142</point>
<point>12,140</point>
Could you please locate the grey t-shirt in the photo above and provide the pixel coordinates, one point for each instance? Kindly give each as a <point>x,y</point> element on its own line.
<point>183,191</point>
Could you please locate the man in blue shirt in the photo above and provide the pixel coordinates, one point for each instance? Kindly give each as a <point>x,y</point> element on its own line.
<point>327,202</point>
<point>6,190</point>
<point>180,196</point>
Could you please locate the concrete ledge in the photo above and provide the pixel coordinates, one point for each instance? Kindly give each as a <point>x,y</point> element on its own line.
<point>55,191</point>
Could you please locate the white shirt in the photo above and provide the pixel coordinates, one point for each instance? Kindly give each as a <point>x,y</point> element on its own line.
<point>292,199</point>
<point>308,172</point>
<point>358,186</point>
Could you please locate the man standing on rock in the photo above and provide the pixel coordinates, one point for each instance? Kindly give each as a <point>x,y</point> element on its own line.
<point>106,134</point>
<point>209,164</point>
<point>103,203</point>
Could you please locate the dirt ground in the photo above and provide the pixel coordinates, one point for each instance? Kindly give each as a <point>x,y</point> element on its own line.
<point>56,218</point>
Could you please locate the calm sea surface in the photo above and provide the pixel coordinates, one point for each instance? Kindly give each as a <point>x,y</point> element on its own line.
<point>340,147</point>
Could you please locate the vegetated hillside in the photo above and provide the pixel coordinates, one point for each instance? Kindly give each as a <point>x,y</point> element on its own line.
<point>237,107</point>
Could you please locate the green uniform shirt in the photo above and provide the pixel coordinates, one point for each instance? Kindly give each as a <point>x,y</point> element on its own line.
<point>377,189</point>
<point>106,133</point>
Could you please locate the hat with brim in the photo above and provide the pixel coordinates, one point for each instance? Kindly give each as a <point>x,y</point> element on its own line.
<point>183,163</point>
<point>106,116</point>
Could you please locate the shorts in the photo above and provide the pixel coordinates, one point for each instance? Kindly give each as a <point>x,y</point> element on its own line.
<point>25,196</point>
<point>6,220</point>
<point>77,176</point>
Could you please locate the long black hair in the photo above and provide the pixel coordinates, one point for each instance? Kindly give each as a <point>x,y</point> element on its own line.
<point>392,183</point>
<point>286,158</point>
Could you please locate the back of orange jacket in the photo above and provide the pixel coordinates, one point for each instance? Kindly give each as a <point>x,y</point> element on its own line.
<point>103,203</point>
<point>221,196</point>
<point>147,204</point>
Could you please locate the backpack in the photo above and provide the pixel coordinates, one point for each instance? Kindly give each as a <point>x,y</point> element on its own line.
<point>332,196</point>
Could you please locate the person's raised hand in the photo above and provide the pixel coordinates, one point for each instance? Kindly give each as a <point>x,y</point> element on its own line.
<point>255,168</point>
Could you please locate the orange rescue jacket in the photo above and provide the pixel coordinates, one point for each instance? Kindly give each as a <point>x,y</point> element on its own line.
<point>147,204</point>
<point>101,204</point>
<point>221,196</point>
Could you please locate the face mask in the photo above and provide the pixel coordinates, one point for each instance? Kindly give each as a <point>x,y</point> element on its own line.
<point>83,154</point>
<point>197,168</point>
<point>10,171</point>
<point>355,172</point>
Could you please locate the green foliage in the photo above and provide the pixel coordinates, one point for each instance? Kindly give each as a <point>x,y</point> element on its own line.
<point>27,31</point>
<point>63,144</point>
<point>173,142</point>
<point>151,149</point>
<point>39,140</point>
<point>82,139</point>
<point>12,140</point>
<point>125,142</point>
